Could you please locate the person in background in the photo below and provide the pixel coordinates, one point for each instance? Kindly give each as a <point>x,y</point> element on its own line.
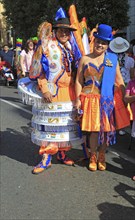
<point>7,55</point>
<point>134,50</point>
<point>132,42</point>
<point>17,57</point>
<point>130,98</point>
<point>95,96</point>
<point>121,47</point>
<point>26,57</point>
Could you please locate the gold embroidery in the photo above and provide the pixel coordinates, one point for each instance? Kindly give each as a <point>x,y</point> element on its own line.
<point>108,63</point>
<point>61,135</point>
<point>52,120</point>
<point>51,107</point>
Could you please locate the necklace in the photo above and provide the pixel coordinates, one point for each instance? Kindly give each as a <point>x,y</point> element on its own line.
<point>66,58</point>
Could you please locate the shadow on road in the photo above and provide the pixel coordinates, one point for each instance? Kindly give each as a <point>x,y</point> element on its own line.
<point>110,211</point>
<point>123,167</point>
<point>17,145</point>
<point>127,192</point>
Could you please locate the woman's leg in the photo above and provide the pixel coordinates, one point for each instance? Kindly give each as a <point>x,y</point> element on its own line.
<point>93,151</point>
<point>93,142</point>
<point>46,152</point>
<point>63,158</point>
<point>101,156</point>
<point>43,165</point>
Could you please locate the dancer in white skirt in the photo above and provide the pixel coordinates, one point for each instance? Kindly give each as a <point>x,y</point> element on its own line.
<point>55,129</point>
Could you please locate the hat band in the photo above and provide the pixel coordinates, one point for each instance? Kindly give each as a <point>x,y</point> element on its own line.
<point>120,46</point>
<point>61,25</point>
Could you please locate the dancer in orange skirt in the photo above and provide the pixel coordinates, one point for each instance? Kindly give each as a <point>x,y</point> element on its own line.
<point>97,78</point>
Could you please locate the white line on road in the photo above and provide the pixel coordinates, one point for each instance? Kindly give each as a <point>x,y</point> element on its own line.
<point>16,106</point>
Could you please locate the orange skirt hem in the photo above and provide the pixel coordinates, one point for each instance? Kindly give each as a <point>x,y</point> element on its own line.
<point>91,113</point>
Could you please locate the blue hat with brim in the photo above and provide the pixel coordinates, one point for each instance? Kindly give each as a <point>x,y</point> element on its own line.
<point>104,32</point>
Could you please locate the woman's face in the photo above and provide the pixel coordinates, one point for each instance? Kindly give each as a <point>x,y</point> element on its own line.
<point>63,34</point>
<point>31,45</point>
<point>100,46</point>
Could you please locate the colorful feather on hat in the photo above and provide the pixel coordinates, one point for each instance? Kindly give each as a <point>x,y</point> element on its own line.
<point>74,21</point>
<point>19,42</point>
<point>85,39</point>
<point>35,40</point>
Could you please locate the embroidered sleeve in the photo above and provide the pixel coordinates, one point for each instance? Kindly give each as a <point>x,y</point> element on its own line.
<point>42,83</point>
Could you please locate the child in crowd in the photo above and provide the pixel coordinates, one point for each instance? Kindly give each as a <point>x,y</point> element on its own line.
<point>130,98</point>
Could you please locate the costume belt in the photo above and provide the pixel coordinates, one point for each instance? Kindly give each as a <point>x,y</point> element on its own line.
<point>89,82</point>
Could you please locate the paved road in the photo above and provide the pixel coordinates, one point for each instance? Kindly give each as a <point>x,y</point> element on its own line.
<point>62,192</point>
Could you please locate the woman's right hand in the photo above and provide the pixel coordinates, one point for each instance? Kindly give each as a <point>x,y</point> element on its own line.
<point>47,97</point>
<point>78,104</point>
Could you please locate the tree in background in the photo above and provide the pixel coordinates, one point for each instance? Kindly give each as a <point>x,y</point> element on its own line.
<point>26,16</point>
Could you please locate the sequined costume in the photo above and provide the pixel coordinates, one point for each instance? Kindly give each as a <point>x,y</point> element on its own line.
<point>52,122</point>
<point>91,102</point>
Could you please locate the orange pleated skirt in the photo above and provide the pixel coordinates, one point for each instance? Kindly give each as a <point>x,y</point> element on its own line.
<point>91,113</point>
<point>122,114</point>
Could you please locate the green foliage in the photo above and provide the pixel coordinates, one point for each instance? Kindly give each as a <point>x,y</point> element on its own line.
<point>26,16</point>
<point>111,12</point>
